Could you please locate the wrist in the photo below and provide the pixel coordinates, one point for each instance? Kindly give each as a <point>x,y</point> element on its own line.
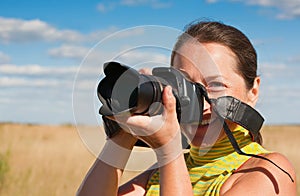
<point>114,154</point>
<point>169,151</point>
<point>124,140</point>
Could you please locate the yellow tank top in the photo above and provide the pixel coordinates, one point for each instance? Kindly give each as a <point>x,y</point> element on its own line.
<point>210,168</point>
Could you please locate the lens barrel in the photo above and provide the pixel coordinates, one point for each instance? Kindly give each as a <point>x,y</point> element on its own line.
<point>125,90</point>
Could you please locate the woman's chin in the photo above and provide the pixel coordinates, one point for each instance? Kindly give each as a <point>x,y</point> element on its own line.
<point>206,134</point>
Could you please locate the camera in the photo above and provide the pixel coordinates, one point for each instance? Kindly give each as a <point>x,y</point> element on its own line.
<point>124,90</point>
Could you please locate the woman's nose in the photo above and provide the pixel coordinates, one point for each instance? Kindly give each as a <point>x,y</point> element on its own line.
<point>206,105</point>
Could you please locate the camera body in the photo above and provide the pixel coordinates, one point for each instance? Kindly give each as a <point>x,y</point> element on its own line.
<point>124,90</point>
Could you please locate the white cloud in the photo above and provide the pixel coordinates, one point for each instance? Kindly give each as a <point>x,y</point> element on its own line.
<point>4,58</point>
<point>280,72</point>
<point>18,30</point>
<point>142,57</point>
<point>294,59</point>
<point>4,100</point>
<point>35,70</point>
<point>90,58</point>
<point>26,82</point>
<point>55,77</point>
<point>155,4</point>
<point>288,8</point>
<point>100,34</point>
<point>68,51</point>
<point>211,1</point>
<point>271,70</point>
<point>24,31</point>
<point>106,7</point>
<point>79,52</point>
<point>152,3</point>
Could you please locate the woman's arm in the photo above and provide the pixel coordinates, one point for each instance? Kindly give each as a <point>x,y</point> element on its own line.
<point>104,176</point>
<point>174,178</point>
<point>137,185</point>
<point>102,179</point>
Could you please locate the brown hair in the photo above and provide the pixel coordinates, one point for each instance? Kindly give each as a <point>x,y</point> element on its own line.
<point>234,39</point>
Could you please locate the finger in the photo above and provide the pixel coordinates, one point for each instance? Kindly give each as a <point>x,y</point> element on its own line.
<point>169,100</point>
<point>138,121</point>
<point>145,125</point>
<point>146,71</point>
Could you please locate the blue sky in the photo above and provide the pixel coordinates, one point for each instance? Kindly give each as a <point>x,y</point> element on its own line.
<point>43,45</point>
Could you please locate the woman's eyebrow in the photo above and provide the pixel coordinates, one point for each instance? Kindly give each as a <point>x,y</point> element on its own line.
<point>214,77</point>
<point>207,78</point>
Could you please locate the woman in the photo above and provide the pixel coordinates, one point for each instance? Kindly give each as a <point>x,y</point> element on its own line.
<point>224,61</point>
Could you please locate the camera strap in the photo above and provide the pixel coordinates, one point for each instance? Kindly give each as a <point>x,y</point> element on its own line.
<point>232,109</point>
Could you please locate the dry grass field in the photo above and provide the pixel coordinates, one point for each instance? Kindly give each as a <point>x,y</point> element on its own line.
<point>52,160</point>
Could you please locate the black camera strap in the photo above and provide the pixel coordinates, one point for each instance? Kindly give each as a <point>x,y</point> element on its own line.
<point>232,109</point>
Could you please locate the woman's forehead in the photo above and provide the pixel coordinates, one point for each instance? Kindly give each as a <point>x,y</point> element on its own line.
<point>204,60</point>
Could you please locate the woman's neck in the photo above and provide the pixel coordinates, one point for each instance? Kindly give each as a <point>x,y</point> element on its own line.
<point>206,153</point>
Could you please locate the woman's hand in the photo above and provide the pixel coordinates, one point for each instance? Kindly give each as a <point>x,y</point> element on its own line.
<point>158,130</point>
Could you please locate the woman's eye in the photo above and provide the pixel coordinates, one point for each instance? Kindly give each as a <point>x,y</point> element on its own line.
<point>216,86</point>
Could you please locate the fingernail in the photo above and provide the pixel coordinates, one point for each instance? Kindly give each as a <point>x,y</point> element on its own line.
<point>169,90</point>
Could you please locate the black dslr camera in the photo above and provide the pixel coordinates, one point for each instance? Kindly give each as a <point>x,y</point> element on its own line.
<point>125,90</point>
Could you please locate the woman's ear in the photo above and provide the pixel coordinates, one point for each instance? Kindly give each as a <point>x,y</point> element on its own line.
<point>254,92</point>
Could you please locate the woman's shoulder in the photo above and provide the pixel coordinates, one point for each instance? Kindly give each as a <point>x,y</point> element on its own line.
<point>278,168</point>
<point>261,177</point>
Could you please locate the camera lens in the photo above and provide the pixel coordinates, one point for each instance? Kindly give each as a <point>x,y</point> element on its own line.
<point>149,95</point>
<point>126,90</point>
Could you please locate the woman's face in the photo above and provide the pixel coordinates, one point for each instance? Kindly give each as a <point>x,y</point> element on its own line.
<point>215,67</point>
